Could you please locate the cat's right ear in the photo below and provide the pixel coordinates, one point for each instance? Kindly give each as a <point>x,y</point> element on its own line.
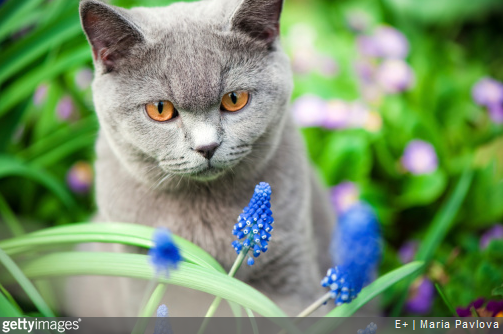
<point>109,31</point>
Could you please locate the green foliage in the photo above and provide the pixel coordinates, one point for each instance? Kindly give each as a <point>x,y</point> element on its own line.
<point>453,44</point>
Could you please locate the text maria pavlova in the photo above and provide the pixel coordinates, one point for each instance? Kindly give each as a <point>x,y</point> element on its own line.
<point>459,324</point>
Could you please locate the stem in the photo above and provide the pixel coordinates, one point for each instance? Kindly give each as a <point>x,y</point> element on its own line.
<point>314,306</point>
<point>150,302</point>
<point>310,309</point>
<point>147,296</point>
<point>216,302</point>
<point>10,218</point>
<point>26,285</point>
<point>232,272</point>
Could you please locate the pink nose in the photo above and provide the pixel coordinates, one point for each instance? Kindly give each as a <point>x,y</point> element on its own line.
<point>207,151</point>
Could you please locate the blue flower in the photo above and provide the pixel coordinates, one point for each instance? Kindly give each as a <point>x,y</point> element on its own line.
<point>254,226</point>
<point>371,329</point>
<point>162,311</point>
<point>357,242</point>
<point>356,251</point>
<point>162,325</point>
<point>344,282</point>
<point>165,254</point>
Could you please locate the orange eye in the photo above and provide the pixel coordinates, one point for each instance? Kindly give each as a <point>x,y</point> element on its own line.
<point>161,111</point>
<point>234,101</point>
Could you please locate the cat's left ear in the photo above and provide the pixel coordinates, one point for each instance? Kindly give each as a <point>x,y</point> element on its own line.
<point>259,19</point>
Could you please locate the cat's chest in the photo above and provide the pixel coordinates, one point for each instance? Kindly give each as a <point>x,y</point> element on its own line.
<point>204,218</point>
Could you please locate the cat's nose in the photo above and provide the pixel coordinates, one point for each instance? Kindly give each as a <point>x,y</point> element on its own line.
<point>207,151</point>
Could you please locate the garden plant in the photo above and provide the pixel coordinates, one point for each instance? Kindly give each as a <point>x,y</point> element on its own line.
<point>401,107</point>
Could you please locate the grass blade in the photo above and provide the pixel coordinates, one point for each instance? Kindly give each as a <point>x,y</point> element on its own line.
<point>445,217</point>
<point>10,218</point>
<point>446,301</point>
<point>124,233</point>
<point>25,283</point>
<point>27,50</point>
<point>24,87</point>
<point>137,266</point>
<point>12,167</point>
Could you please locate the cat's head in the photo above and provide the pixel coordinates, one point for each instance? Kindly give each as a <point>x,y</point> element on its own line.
<point>193,89</point>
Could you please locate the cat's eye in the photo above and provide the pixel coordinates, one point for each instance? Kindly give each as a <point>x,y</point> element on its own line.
<point>161,111</point>
<point>234,101</point>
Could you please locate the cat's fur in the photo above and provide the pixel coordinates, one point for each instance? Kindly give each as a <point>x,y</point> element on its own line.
<point>151,173</point>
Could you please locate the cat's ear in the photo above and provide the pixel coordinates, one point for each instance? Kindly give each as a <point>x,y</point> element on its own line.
<point>258,18</point>
<point>109,31</point>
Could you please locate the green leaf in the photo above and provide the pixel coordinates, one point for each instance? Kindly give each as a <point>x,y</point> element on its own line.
<point>137,266</point>
<point>367,293</point>
<point>422,189</point>
<point>11,167</point>
<point>346,156</point>
<point>25,283</point>
<point>444,218</point>
<point>46,144</point>
<point>124,233</point>
<point>498,291</point>
<point>7,309</point>
<point>25,85</point>
<point>13,15</point>
<point>28,49</point>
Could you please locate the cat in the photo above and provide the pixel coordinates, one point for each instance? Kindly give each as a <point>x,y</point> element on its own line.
<point>193,105</point>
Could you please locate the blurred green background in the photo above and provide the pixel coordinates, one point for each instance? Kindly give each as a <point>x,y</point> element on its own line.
<point>384,95</point>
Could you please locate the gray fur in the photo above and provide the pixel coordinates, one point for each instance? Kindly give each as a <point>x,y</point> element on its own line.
<point>150,173</point>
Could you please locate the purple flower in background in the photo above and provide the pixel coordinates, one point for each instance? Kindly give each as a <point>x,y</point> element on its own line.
<point>367,46</point>
<point>419,158</point>
<point>164,255</point>
<point>304,61</point>
<point>391,43</point>
<point>421,297</point>
<point>358,116</point>
<point>309,110</point>
<point>408,250</point>
<point>365,69</point>
<point>40,94</point>
<point>343,196</point>
<point>496,113</point>
<point>336,114</point>
<point>80,177</point>
<point>65,108</point>
<point>494,233</point>
<point>84,78</point>
<point>488,92</point>
<point>327,66</point>
<point>371,93</point>
<point>394,76</point>
<point>491,309</point>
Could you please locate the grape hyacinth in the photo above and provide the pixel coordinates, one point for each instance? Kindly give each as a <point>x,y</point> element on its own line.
<point>371,329</point>
<point>345,283</point>
<point>165,254</point>
<point>356,250</point>
<point>162,325</point>
<point>254,224</point>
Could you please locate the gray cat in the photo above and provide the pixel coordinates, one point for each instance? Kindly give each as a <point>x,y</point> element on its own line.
<point>193,100</point>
